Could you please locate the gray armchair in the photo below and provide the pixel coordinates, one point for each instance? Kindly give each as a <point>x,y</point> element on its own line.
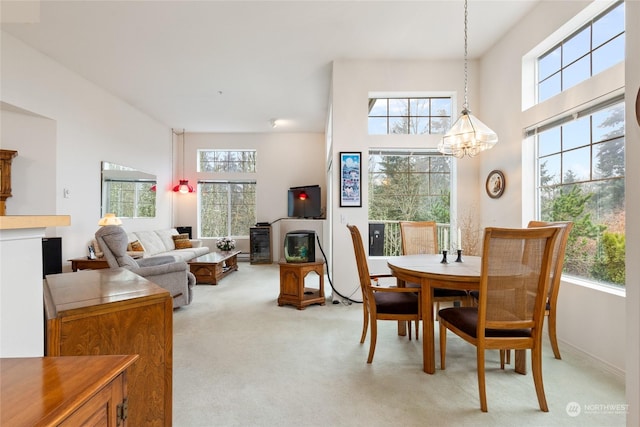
<point>164,271</point>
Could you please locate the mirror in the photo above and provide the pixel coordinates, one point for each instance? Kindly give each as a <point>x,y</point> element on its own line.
<point>127,192</point>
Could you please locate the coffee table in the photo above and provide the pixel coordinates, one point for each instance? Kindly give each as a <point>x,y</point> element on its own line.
<point>212,267</point>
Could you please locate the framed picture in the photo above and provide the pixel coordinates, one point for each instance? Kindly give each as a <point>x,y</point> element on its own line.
<point>350,179</point>
<point>495,184</point>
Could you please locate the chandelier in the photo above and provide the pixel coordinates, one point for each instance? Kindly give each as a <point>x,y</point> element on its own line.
<point>468,135</point>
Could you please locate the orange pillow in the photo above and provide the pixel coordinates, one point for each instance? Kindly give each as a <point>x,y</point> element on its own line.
<point>182,241</point>
<point>136,246</point>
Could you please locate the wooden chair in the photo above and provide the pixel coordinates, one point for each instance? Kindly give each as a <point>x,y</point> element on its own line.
<point>554,284</point>
<point>421,237</point>
<point>556,274</point>
<point>514,285</point>
<point>379,302</point>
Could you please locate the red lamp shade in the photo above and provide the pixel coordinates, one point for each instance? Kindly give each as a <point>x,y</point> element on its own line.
<point>302,195</point>
<point>184,187</point>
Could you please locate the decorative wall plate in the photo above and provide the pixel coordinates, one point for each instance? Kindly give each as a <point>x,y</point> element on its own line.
<point>495,184</point>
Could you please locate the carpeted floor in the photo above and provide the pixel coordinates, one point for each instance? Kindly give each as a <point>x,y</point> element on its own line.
<point>240,360</point>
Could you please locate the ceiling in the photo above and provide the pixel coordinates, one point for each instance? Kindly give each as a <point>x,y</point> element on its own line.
<point>232,66</point>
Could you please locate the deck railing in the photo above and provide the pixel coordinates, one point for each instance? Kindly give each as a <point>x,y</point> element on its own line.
<point>391,243</point>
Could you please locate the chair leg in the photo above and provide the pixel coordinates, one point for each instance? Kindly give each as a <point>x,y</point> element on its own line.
<point>417,329</point>
<point>481,382</point>
<point>502,352</point>
<point>409,328</point>
<point>365,325</point>
<point>536,368</point>
<point>374,337</point>
<point>552,334</point>
<point>443,345</point>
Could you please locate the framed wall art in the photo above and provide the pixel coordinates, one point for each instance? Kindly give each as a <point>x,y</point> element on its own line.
<point>495,184</point>
<point>350,179</point>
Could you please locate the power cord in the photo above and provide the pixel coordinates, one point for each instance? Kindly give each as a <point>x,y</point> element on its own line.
<point>345,299</point>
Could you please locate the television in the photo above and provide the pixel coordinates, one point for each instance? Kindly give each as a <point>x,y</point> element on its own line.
<point>304,202</point>
<point>300,246</point>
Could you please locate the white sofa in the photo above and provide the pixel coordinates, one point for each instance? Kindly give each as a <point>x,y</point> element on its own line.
<point>160,243</point>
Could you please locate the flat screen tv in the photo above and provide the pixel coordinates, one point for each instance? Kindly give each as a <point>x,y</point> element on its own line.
<point>305,202</point>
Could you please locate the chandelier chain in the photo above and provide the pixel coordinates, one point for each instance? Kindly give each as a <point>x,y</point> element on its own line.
<point>465,105</point>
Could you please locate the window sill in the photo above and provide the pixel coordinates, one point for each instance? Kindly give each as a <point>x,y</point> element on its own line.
<point>609,289</point>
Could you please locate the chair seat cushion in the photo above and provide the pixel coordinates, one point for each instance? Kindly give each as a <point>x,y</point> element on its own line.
<point>396,302</point>
<point>466,319</point>
<point>442,292</point>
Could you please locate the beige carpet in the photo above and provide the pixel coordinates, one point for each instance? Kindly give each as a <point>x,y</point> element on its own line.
<point>240,360</point>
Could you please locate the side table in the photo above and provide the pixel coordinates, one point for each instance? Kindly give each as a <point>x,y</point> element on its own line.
<point>292,286</point>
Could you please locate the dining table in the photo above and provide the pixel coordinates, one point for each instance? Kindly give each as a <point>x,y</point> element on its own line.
<point>430,272</point>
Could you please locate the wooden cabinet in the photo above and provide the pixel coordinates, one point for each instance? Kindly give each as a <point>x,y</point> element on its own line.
<point>65,391</point>
<point>94,312</point>
<point>292,284</point>
<point>260,242</point>
<point>5,177</point>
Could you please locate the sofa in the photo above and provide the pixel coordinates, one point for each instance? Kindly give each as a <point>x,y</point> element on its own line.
<point>166,242</point>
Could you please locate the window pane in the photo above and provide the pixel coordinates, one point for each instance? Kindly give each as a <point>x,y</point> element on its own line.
<point>377,125</point>
<point>575,73</point>
<point>608,55</point>
<point>419,125</point>
<point>440,125</point>
<point>608,123</point>
<point>549,142</point>
<point>549,170</point>
<point>419,107</point>
<point>576,47</point>
<point>608,158</point>
<point>608,26</point>
<point>441,107</point>
<point>379,108</point>
<point>399,125</point>
<point>548,64</point>
<point>398,107</point>
<point>576,133</point>
<point>576,165</point>
<point>549,87</point>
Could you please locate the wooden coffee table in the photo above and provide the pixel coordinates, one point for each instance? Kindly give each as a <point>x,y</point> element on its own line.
<point>212,267</point>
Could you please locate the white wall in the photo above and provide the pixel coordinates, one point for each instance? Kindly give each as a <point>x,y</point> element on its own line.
<point>352,82</point>
<point>76,126</point>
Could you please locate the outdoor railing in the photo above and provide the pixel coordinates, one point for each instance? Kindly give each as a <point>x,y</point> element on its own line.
<point>391,244</point>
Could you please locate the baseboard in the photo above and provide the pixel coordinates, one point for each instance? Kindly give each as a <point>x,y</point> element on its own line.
<point>580,353</point>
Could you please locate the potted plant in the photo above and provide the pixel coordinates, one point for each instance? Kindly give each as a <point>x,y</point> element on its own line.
<point>226,244</point>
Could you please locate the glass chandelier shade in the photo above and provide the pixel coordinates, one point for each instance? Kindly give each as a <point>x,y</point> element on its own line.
<point>468,135</point>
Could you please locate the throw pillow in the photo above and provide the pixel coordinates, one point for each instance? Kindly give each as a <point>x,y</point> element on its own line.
<point>135,246</point>
<point>182,241</point>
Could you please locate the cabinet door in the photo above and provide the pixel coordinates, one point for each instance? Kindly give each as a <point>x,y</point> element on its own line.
<point>101,409</point>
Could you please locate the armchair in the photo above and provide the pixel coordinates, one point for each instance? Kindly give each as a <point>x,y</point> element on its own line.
<point>164,271</point>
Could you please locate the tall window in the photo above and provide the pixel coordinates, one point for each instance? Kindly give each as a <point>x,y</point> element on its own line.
<point>407,186</point>
<point>227,208</point>
<point>580,176</point>
<point>409,115</point>
<point>227,201</point>
<point>588,51</point>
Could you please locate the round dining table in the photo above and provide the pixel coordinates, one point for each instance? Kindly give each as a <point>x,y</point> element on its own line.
<point>430,272</point>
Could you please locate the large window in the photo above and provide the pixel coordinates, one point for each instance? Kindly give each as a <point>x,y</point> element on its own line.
<point>409,115</point>
<point>406,186</point>
<point>227,208</point>
<point>580,177</point>
<point>588,51</point>
<point>227,201</point>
